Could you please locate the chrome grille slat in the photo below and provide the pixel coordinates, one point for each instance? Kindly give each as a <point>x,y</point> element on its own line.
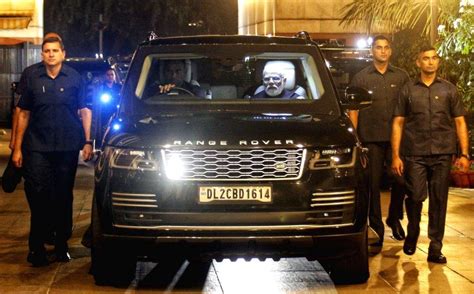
<point>132,194</point>
<point>238,164</point>
<point>322,199</point>
<point>332,203</point>
<point>134,205</point>
<point>133,200</point>
<point>334,193</point>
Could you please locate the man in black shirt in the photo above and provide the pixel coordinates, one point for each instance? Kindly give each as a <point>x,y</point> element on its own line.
<point>105,103</point>
<point>427,119</point>
<point>49,136</point>
<point>22,88</point>
<point>374,127</point>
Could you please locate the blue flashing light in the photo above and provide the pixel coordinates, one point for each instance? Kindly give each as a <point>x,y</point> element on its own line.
<point>116,126</point>
<point>105,98</point>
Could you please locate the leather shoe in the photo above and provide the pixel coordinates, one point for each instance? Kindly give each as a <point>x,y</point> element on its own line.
<point>37,258</point>
<point>397,229</point>
<point>437,258</point>
<point>375,248</point>
<point>63,256</point>
<point>409,248</point>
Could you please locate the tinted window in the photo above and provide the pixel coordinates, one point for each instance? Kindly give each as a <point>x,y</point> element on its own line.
<point>249,76</point>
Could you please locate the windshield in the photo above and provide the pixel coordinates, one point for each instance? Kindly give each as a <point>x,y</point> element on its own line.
<point>279,76</point>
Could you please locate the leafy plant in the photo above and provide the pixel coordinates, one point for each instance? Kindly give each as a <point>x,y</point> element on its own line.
<point>409,21</point>
<point>397,15</point>
<point>406,44</point>
<point>456,47</point>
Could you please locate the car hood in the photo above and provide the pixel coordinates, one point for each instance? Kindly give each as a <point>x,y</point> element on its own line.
<point>224,130</point>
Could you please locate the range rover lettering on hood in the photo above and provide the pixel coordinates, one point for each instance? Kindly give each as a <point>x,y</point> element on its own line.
<point>226,143</point>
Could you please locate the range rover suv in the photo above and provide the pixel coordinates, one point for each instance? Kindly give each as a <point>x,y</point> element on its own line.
<point>214,169</point>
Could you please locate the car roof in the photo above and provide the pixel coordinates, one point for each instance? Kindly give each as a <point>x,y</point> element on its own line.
<point>228,39</point>
<point>86,63</point>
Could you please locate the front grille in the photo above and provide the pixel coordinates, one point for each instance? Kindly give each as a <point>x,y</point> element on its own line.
<point>236,164</point>
<point>330,199</point>
<point>332,207</point>
<point>134,200</point>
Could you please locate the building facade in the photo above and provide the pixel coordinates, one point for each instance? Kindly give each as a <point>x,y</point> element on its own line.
<point>21,34</point>
<point>320,18</point>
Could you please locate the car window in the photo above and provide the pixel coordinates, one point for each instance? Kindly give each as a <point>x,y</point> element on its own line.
<point>289,76</point>
<point>344,63</point>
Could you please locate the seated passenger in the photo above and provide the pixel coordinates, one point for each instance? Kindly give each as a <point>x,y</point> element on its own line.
<point>174,76</point>
<point>275,82</point>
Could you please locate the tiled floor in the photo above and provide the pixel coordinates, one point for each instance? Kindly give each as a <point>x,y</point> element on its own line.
<point>391,270</point>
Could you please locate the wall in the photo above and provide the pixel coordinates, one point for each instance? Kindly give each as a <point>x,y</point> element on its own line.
<point>13,59</point>
<point>14,14</point>
<point>286,17</point>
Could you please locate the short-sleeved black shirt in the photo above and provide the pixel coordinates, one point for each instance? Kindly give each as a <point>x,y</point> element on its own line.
<point>23,84</point>
<point>53,104</point>
<point>429,113</point>
<point>375,122</point>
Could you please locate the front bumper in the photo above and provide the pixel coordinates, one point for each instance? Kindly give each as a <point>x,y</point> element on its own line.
<point>276,246</point>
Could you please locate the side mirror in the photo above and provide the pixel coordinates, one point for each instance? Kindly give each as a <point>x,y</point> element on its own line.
<point>356,98</point>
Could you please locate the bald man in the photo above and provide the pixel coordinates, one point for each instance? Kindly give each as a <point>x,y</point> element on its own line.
<point>274,82</point>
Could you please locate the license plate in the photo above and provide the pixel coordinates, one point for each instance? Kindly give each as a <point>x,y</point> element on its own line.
<point>235,194</point>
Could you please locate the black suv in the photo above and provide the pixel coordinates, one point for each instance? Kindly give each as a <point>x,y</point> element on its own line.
<point>224,173</point>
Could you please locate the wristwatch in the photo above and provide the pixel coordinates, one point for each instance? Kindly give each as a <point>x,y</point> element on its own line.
<point>89,142</point>
<point>465,156</point>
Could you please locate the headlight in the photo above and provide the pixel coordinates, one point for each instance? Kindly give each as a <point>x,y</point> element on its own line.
<point>132,159</point>
<point>174,166</point>
<point>333,158</point>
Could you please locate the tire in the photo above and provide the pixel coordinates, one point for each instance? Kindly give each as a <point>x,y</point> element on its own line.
<point>352,269</point>
<point>109,265</point>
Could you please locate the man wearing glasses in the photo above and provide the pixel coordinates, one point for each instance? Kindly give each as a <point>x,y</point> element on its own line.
<point>274,83</point>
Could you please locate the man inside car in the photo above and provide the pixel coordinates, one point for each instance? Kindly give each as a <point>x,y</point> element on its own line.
<point>174,78</point>
<point>274,82</point>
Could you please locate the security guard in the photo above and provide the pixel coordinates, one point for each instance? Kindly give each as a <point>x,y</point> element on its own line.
<point>49,136</point>
<point>105,103</point>
<point>22,88</point>
<point>374,127</point>
<point>429,116</point>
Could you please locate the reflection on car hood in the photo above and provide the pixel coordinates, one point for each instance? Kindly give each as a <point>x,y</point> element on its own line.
<point>223,130</point>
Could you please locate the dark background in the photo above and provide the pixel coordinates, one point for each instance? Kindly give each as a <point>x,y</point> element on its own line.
<point>128,22</point>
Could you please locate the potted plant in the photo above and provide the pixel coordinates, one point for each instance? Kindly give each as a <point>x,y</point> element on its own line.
<point>462,179</point>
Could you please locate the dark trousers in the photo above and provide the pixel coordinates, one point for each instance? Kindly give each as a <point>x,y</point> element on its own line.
<point>427,175</point>
<point>380,158</point>
<point>49,181</point>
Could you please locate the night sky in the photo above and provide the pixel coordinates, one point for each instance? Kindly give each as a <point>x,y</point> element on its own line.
<point>128,22</point>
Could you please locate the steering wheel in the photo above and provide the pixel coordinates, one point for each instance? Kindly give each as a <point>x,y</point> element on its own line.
<point>177,91</point>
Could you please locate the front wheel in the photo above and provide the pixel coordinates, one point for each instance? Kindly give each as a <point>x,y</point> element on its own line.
<point>352,269</point>
<point>110,265</point>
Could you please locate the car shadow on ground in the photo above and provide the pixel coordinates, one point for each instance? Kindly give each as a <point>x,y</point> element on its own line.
<point>175,275</point>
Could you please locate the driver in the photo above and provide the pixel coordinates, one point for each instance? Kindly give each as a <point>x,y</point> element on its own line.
<point>274,82</point>
<point>174,77</point>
